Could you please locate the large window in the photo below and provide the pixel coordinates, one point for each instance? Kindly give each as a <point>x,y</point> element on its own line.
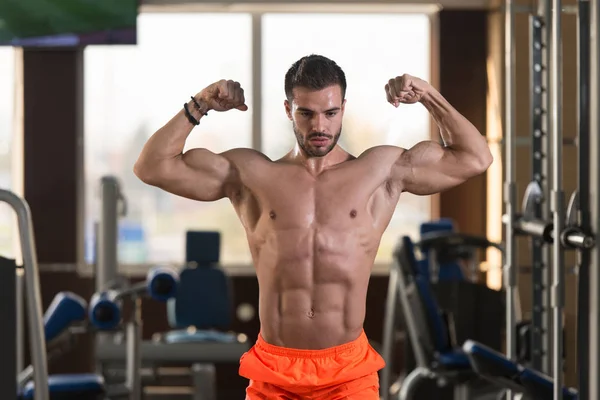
<point>370,49</point>
<point>7,94</point>
<point>133,91</point>
<point>130,93</point>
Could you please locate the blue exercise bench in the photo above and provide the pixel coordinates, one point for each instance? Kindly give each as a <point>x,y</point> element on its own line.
<point>498,369</point>
<point>203,286</point>
<point>201,313</point>
<point>430,265</point>
<point>444,254</point>
<point>436,356</point>
<point>66,310</point>
<point>443,248</point>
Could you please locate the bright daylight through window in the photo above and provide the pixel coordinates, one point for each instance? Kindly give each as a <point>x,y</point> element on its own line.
<point>133,90</point>
<point>7,93</point>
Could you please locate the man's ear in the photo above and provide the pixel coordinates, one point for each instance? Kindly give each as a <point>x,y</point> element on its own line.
<point>288,109</point>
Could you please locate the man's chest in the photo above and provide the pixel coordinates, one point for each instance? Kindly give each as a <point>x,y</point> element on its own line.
<point>297,201</point>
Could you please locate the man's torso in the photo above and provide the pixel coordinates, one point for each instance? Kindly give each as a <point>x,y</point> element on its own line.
<point>313,240</point>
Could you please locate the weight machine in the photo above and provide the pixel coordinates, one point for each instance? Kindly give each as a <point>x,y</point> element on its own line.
<point>553,228</point>
<point>8,314</point>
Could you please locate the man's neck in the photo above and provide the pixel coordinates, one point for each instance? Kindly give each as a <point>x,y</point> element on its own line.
<point>316,165</point>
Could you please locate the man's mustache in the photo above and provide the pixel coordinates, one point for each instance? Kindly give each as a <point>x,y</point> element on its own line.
<point>319,135</point>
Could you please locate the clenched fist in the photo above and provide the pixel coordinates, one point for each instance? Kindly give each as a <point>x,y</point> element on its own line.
<point>223,95</point>
<point>406,89</point>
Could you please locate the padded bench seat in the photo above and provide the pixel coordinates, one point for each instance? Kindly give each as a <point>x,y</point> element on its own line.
<point>541,385</point>
<point>66,309</point>
<point>70,387</point>
<point>454,360</point>
<point>495,367</point>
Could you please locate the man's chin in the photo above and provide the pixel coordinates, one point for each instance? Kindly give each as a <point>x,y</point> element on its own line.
<point>319,152</point>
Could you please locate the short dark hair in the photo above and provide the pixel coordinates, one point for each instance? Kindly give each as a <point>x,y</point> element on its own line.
<point>314,72</point>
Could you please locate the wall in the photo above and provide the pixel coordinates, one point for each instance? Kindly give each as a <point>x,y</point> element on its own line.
<point>462,71</point>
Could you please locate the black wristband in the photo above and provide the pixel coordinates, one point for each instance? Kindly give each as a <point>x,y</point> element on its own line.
<point>189,116</point>
<point>198,105</point>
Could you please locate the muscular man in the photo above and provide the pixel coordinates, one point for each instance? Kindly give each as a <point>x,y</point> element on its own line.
<point>313,219</point>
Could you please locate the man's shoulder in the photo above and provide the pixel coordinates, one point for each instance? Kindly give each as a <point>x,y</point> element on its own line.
<point>244,154</point>
<point>382,152</point>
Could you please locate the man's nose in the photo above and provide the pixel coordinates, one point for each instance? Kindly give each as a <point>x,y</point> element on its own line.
<point>319,123</point>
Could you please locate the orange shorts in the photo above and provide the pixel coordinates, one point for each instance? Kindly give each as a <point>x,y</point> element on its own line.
<point>347,371</point>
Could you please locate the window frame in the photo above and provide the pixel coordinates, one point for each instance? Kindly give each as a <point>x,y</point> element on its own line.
<point>257,11</point>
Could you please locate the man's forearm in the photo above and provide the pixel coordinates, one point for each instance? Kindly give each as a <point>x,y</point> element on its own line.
<point>457,132</point>
<point>168,142</point>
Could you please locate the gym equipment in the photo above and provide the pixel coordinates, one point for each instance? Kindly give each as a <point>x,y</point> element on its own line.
<point>445,248</point>
<point>432,268</point>
<point>200,314</point>
<point>104,313</point>
<point>496,368</point>
<point>439,358</point>
<point>8,305</point>
<point>113,205</point>
<point>63,320</point>
<point>203,282</point>
<point>446,259</point>
<point>552,227</point>
<point>461,293</point>
<point>194,343</point>
<point>430,334</point>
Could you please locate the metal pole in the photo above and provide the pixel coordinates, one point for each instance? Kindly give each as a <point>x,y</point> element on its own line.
<point>557,196</point>
<point>106,270</point>
<point>389,325</point>
<point>546,10</point>
<point>134,353</point>
<point>583,107</point>
<point>20,300</point>
<point>257,92</point>
<point>594,187</point>
<point>510,195</point>
<point>37,340</point>
<point>538,245</point>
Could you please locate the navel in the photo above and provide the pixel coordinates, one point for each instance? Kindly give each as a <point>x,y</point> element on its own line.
<point>311,313</point>
<point>272,215</point>
<point>353,214</point>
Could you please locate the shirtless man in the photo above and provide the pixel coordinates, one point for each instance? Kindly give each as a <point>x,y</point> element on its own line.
<point>313,219</point>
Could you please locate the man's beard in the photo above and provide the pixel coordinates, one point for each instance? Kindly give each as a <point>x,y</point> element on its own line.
<point>319,151</point>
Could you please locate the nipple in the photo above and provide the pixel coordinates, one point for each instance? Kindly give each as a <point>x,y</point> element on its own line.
<point>311,313</point>
<point>353,214</point>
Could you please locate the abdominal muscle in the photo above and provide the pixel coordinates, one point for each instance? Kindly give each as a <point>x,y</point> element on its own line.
<point>313,285</point>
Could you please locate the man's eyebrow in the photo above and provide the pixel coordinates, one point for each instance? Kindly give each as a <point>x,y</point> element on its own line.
<point>309,110</point>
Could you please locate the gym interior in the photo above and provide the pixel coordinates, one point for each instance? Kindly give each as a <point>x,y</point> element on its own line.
<point>484,291</point>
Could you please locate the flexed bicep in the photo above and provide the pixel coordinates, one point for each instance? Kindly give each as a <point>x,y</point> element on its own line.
<point>429,168</point>
<point>198,174</point>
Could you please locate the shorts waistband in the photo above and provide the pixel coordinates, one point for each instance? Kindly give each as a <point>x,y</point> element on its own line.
<point>357,343</point>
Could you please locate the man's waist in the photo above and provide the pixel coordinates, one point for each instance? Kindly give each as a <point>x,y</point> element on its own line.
<point>324,344</point>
